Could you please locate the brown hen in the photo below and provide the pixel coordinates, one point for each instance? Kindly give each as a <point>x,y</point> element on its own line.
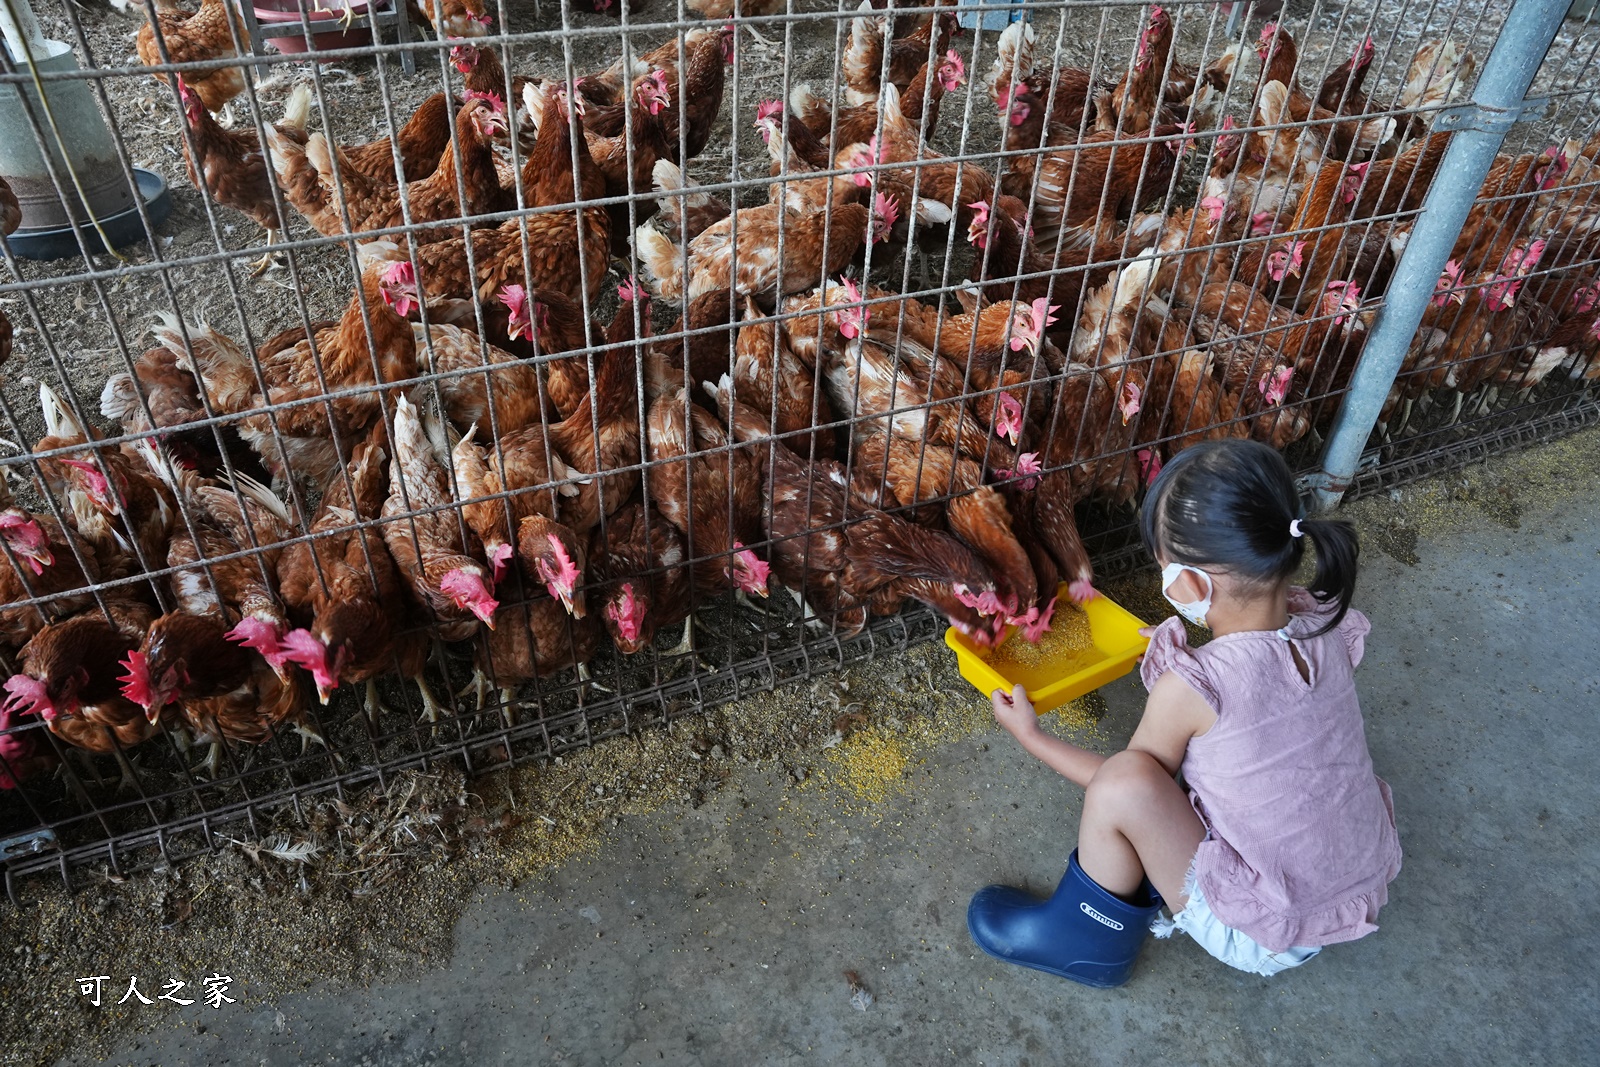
<point>193,36</point>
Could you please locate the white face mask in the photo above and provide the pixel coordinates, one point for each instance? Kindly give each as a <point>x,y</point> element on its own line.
<point>1194,611</point>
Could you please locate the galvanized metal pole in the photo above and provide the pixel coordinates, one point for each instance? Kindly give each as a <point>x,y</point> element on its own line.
<point>1497,103</point>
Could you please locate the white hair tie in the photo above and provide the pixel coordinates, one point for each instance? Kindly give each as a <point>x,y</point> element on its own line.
<point>1294,528</point>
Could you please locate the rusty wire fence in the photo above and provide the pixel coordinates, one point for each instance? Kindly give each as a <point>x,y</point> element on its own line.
<point>955,327</point>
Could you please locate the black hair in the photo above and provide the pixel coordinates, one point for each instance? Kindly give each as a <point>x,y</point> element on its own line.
<point>1228,505</point>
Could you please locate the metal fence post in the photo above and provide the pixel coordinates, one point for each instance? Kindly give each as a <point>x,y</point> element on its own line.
<point>1497,103</point>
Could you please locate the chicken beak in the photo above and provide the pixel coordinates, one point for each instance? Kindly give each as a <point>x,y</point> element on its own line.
<point>38,558</point>
<point>323,693</point>
<point>575,609</point>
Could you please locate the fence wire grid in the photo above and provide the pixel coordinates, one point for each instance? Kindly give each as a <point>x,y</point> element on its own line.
<point>795,329</point>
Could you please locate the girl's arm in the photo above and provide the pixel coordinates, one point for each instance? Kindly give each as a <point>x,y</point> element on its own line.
<point>1015,712</point>
<point>1172,715</point>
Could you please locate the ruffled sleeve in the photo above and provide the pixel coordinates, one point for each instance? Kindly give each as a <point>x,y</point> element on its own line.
<point>1312,614</point>
<point>1354,628</point>
<point>1169,651</point>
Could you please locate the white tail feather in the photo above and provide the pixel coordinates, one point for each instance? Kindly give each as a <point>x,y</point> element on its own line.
<point>866,41</point>
<point>933,212</point>
<point>120,397</point>
<point>670,178</point>
<point>409,443</point>
<point>661,261</point>
<point>161,465</point>
<point>58,418</point>
<point>213,357</point>
<point>371,252</point>
<point>1133,283</point>
<point>802,101</point>
<point>533,103</point>
<point>1440,72</point>
<point>285,150</point>
<point>889,104</point>
<point>259,494</point>
<point>438,434</point>
<point>1274,107</point>
<point>297,111</point>
<point>320,155</point>
<point>1118,298</point>
<point>1015,48</point>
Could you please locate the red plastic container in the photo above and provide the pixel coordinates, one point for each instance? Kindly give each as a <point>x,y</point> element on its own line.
<point>285,17</point>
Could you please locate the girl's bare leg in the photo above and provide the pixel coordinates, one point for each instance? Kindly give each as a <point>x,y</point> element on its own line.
<point>1137,822</point>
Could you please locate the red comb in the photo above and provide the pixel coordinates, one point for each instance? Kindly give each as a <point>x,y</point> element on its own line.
<point>136,683</point>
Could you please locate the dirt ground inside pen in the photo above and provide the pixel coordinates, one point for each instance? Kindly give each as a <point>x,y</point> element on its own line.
<point>369,889</point>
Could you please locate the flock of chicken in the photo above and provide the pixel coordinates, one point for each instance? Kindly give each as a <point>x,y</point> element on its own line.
<point>490,466</point>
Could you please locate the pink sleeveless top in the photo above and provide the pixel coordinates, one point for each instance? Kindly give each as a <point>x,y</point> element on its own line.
<point>1302,843</point>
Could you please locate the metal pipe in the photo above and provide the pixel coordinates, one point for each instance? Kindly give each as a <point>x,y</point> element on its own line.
<point>21,29</point>
<point>1480,127</point>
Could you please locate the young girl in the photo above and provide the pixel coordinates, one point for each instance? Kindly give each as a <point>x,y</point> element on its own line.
<point>1281,839</point>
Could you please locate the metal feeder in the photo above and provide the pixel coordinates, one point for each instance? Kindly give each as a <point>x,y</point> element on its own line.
<point>80,146</point>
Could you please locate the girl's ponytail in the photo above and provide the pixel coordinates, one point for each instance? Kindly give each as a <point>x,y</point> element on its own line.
<point>1338,553</point>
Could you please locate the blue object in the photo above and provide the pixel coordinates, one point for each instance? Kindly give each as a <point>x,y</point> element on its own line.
<point>989,20</point>
<point>125,227</point>
<point>1497,102</point>
<point>1081,932</point>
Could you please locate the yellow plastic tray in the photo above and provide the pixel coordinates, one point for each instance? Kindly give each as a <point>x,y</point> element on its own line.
<point>1114,631</point>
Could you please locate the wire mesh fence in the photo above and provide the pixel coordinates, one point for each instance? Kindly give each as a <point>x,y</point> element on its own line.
<point>445,401</point>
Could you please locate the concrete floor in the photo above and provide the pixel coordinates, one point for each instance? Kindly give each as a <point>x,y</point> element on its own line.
<point>720,935</point>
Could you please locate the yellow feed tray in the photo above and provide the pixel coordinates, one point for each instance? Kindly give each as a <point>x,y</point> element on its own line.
<point>1086,647</point>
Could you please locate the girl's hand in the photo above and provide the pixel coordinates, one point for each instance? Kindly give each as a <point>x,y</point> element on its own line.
<point>1146,632</point>
<point>1014,711</point>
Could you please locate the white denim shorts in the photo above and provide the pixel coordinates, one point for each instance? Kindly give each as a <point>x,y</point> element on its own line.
<point>1230,946</point>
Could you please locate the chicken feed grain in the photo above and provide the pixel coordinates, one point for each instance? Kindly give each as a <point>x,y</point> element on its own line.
<point>1067,646</point>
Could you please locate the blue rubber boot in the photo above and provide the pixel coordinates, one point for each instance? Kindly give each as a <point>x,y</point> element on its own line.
<point>1081,932</point>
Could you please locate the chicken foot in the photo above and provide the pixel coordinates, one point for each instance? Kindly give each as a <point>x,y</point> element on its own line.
<point>345,20</point>
<point>685,648</point>
<point>811,618</point>
<point>207,768</point>
<point>587,679</point>
<point>374,703</point>
<point>127,781</point>
<point>270,260</point>
<point>1405,418</point>
<point>431,708</point>
<point>308,735</point>
<point>480,687</point>
<point>742,599</point>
